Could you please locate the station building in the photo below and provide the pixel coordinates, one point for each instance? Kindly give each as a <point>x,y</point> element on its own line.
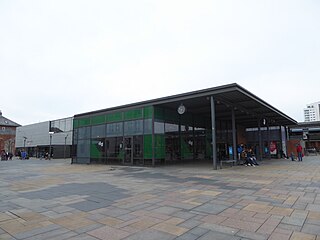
<point>204,125</point>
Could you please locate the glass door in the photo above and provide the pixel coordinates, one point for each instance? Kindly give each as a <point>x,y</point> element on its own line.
<point>128,153</point>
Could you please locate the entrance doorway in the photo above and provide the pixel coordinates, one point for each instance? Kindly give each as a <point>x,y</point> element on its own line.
<point>128,153</point>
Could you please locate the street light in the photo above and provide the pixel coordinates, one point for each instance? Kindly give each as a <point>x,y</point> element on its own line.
<point>65,145</point>
<point>24,143</point>
<point>50,134</point>
<point>24,152</point>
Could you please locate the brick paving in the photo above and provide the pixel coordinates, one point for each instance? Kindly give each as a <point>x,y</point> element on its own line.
<point>279,199</point>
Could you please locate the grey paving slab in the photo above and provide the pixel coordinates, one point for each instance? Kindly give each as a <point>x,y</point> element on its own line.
<point>219,228</point>
<point>151,234</point>
<point>218,236</point>
<point>191,223</point>
<point>89,205</point>
<point>83,237</point>
<point>311,229</point>
<point>166,210</point>
<point>198,231</point>
<point>64,236</point>
<point>211,208</point>
<point>88,228</point>
<point>51,234</point>
<point>252,235</point>
<point>36,231</point>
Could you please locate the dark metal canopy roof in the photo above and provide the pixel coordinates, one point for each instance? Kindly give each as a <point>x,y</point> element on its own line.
<point>248,107</point>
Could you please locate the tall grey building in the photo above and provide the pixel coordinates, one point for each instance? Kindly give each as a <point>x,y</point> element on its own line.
<point>312,112</point>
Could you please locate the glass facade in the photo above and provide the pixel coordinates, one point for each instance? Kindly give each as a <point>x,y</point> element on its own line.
<point>145,136</point>
<point>117,137</point>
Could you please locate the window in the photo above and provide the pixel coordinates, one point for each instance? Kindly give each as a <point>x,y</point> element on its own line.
<point>133,128</point>
<point>84,132</point>
<point>98,131</point>
<point>115,129</point>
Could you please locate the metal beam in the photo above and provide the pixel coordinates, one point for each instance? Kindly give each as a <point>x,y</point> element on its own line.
<point>234,136</point>
<point>213,127</point>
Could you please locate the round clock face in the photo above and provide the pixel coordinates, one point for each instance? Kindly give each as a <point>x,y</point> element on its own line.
<point>181,109</point>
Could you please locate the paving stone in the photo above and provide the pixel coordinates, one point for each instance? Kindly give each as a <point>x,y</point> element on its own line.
<point>281,211</point>
<point>289,227</point>
<point>65,236</point>
<point>311,229</point>
<point>108,233</point>
<point>36,231</point>
<point>313,207</point>
<point>215,219</point>
<point>151,234</point>
<point>89,205</point>
<point>171,229</point>
<point>218,236</point>
<point>240,224</point>
<point>294,221</point>
<point>219,228</point>
<point>6,237</point>
<point>191,223</point>
<point>83,237</point>
<point>259,208</point>
<point>145,222</point>
<point>252,235</point>
<point>210,208</point>
<point>279,236</point>
<point>48,235</point>
<point>187,236</point>
<point>270,225</point>
<point>198,231</point>
<point>304,236</point>
<point>183,214</point>
<point>87,228</point>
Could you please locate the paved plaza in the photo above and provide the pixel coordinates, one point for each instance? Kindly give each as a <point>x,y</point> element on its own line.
<point>40,199</point>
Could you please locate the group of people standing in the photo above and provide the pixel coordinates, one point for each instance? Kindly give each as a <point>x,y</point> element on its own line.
<point>247,155</point>
<point>6,155</point>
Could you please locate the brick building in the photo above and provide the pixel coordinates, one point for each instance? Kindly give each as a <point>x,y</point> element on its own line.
<point>7,134</point>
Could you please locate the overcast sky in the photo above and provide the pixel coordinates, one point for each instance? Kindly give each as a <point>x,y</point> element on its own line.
<point>63,57</point>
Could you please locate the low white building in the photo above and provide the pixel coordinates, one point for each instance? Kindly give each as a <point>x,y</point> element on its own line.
<point>37,138</point>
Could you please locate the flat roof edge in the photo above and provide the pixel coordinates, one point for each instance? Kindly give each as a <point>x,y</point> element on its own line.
<point>156,101</point>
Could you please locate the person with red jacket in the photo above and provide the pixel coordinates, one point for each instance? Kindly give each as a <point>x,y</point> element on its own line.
<point>299,152</point>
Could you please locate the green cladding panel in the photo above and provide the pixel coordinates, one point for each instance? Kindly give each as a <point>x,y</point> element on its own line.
<point>159,146</point>
<point>114,117</point>
<point>75,123</point>
<point>133,114</point>
<point>148,112</point>
<point>94,150</point>
<point>147,146</point>
<point>98,120</point>
<point>159,113</point>
<point>84,122</point>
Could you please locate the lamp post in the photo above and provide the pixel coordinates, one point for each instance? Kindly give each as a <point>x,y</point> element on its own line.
<point>50,134</point>
<point>24,152</point>
<point>24,143</point>
<point>65,145</point>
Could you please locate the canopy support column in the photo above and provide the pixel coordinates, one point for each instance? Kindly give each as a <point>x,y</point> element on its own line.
<point>213,128</point>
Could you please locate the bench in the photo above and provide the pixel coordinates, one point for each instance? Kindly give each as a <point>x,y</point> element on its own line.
<point>233,162</point>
